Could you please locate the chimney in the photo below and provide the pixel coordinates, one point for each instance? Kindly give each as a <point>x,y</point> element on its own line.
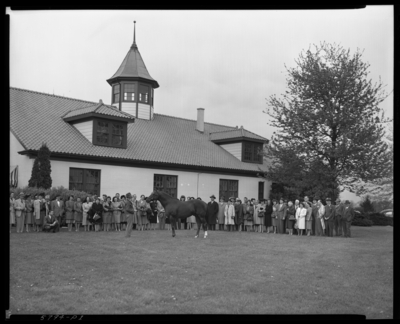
<point>200,120</point>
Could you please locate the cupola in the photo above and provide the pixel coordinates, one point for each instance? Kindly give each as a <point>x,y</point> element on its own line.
<point>132,87</point>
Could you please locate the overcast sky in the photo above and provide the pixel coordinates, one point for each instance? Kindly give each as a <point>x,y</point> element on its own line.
<point>227,62</point>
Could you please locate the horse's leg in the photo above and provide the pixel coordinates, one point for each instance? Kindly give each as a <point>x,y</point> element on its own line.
<point>204,227</point>
<point>173,222</point>
<point>198,226</point>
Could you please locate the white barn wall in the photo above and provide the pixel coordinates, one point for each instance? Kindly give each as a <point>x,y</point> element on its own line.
<point>235,149</point>
<point>140,180</point>
<point>143,111</point>
<point>129,107</point>
<point>24,163</point>
<point>86,129</point>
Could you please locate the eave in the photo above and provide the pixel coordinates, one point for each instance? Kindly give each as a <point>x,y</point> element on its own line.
<point>92,115</point>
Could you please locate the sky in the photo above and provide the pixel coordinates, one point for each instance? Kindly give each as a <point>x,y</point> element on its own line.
<point>227,62</point>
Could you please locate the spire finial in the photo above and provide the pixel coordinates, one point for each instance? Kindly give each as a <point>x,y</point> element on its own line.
<point>134,32</point>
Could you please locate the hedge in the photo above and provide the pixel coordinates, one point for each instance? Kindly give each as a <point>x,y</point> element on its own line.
<point>380,219</point>
<point>361,220</point>
<point>53,192</point>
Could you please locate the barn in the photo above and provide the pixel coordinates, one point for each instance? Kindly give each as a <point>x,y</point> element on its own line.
<point>125,146</point>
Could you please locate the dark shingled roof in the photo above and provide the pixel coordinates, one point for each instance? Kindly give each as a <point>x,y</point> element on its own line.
<point>37,117</point>
<point>133,67</point>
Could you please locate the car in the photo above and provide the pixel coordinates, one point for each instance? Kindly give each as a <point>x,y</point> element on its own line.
<point>387,212</point>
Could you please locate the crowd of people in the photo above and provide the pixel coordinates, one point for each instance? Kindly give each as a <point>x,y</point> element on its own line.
<point>128,213</point>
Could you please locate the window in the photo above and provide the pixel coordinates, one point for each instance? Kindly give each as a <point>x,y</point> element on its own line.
<point>228,188</point>
<point>87,180</point>
<point>116,90</point>
<point>166,183</point>
<point>129,92</point>
<point>143,93</point>
<point>260,190</point>
<point>109,133</point>
<point>250,152</point>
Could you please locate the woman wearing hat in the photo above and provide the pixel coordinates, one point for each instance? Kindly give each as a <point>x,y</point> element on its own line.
<point>19,206</point>
<point>230,214</point>
<point>78,213</point>
<point>221,213</point>
<point>29,211</point>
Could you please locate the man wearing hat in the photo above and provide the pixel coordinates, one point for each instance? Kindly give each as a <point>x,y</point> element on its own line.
<point>130,211</point>
<point>212,212</point>
<point>19,206</point>
<point>348,216</point>
<point>329,217</point>
<point>339,211</point>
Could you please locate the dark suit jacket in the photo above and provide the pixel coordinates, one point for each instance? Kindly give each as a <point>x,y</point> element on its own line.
<point>212,212</point>
<point>339,211</point>
<point>348,214</point>
<point>58,211</point>
<point>329,213</point>
<point>291,211</point>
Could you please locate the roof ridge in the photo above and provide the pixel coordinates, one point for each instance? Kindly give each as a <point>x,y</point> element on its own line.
<point>254,133</point>
<point>194,120</point>
<point>48,94</point>
<point>227,130</point>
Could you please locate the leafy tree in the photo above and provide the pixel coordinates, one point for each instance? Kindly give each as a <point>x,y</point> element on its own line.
<point>329,124</point>
<point>41,169</point>
<point>366,205</point>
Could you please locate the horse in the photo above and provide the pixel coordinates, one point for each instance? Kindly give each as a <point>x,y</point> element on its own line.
<point>175,209</point>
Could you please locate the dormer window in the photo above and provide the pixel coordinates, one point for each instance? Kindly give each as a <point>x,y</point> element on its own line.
<point>143,93</point>
<point>116,91</point>
<point>129,92</point>
<point>251,152</point>
<point>110,133</point>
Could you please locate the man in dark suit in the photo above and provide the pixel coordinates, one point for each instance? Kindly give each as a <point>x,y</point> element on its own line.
<point>50,223</point>
<point>329,217</point>
<point>339,210</point>
<point>348,216</point>
<point>212,212</point>
<point>57,206</point>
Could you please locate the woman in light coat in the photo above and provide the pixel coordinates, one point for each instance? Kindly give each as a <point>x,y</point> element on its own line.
<point>29,209</point>
<point>19,206</point>
<point>230,214</point>
<point>85,208</point>
<point>261,215</point>
<point>142,212</point>
<point>256,219</point>
<point>301,218</point>
<point>36,213</point>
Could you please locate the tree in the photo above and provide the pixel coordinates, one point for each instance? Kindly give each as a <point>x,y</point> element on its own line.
<point>329,124</point>
<point>41,169</point>
<point>366,205</point>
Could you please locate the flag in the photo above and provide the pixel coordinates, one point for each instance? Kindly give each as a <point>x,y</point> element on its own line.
<point>14,176</point>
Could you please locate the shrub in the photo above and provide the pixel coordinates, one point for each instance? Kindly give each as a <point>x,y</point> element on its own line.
<point>360,218</point>
<point>63,192</point>
<point>379,219</point>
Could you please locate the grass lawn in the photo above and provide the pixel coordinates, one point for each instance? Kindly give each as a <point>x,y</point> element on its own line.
<point>227,273</point>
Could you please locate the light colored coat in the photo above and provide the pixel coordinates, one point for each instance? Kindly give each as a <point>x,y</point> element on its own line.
<point>229,213</point>
<point>301,217</point>
<point>19,206</point>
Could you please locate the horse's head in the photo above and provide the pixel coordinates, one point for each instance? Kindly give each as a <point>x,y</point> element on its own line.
<point>154,196</point>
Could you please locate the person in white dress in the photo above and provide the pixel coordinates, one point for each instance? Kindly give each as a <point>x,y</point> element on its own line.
<point>85,208</point>
<point>230,214</point>
<point>301,218</point>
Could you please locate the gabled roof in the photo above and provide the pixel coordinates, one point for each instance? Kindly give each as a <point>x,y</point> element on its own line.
<point>100,110</point>
<point>133,67</point>
<point>37,117</point>
<point>236,134</point>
